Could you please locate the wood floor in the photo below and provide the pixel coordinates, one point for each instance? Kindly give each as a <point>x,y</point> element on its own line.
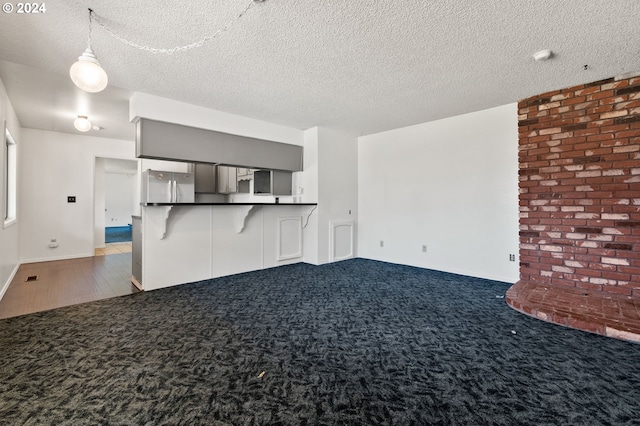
<point>68,282</point>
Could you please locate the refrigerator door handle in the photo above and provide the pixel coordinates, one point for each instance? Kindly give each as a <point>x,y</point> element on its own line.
<point>175,191</point>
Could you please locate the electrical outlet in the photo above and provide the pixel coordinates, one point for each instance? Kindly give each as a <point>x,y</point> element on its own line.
<point>53,243</point>
<point>424,248</point>
<point>71,199</point>
<point>381,243</point>
<point>512,258</point>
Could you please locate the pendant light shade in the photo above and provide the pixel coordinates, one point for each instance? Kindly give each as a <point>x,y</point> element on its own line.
<point>82,123</point>
<point>87,73</point>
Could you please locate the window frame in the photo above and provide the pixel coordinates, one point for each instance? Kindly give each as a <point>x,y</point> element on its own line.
<point>10,214</point>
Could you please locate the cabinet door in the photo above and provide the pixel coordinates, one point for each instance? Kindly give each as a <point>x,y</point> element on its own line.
<point>227,180</point>
<point>233,180</point>
<point>205,180</point>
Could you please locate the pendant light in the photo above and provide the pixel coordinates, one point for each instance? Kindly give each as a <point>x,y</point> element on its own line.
<point>87,73</point>
<point>82,123</point>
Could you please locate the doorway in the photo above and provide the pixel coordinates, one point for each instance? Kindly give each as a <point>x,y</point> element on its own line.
<point>116,200</point>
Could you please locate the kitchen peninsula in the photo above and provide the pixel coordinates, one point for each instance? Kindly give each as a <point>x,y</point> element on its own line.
<point>191,242</point>
<point>255,225</point>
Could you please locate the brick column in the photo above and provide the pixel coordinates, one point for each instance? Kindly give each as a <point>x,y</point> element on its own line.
<point>579,156</point>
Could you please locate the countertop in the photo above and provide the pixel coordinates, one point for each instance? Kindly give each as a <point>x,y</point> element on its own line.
<point>226,204</point>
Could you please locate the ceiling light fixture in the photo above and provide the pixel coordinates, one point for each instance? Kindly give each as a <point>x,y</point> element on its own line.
<point>87,73</point>
<point>542,55</point>
<point>82,123</point>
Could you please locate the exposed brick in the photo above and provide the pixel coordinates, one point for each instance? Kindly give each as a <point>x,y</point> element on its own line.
<point>528,122</point>
<point>579,186</point>
<point>627,120</point>
<point>615,261</point>
<point>617,246</point>
<point>529,234</point>
<point>548,105</point>
<point>630,224</point>
<point>572,127</point>
<point>614,114</point>
<point>626,90</point>
<point>587,159</point>
<point>627,148</point>
<point>588,230</point>
<point>614,216</point>
<point>601,95</point>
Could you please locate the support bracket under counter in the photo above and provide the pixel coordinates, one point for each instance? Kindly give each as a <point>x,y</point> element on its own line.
<point>242,213</point>
<point>163,228</point>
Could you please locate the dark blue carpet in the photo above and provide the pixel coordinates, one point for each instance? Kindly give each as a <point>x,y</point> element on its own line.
<point>117,234</point>
<point>352,343</point>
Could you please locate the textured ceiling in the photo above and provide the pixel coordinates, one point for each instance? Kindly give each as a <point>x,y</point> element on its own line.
<point>360,65</point>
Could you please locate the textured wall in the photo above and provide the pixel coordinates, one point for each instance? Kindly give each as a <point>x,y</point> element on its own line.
<point>579,155</point>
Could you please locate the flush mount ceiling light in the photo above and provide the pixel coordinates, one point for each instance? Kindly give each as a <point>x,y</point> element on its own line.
<point>542,55</point>
<point>87,73</point>
<point>82,123</point>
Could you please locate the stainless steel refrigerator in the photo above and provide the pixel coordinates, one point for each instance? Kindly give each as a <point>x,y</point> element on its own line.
<point>167,187</point>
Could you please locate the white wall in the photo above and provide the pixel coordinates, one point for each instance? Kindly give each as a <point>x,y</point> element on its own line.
<point>54,166</point>
<point>99,196</point>
<point>9,236</point>
<point>306,187</point>
<point>330,178</point>
<point>337,186</point>
<point>119,198</point>
<point>451,184</point>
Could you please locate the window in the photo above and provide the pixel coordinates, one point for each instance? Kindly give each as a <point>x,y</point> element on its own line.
<point>10,179</point>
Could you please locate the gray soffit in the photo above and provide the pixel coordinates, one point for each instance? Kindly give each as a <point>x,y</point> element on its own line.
<point>360,65</point>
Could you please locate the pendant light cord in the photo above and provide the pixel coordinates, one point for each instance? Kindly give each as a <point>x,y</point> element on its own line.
<point>90,19</point>
<point>172,50</point>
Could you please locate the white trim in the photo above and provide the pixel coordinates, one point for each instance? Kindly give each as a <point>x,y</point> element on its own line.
<point>67,257</point>
<point>8,283</point>
<point>297,254</point>
<point>332,230</point>
<point>10,212</point>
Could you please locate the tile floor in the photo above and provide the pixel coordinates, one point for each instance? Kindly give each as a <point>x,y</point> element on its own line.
<point>592,311</point>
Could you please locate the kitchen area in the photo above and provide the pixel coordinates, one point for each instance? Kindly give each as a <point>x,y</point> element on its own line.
<point>222,204</point>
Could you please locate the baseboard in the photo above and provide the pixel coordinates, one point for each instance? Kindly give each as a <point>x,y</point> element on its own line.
<point>8,283</point>
<point>49,259</point>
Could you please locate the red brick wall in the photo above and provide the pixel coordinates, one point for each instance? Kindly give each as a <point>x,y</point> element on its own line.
<point>579,155</point>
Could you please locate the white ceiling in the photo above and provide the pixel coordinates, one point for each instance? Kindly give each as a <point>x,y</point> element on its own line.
<point>360,65</point>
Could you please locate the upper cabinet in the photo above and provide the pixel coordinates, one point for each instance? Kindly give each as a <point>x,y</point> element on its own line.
<point>212,179</point>
<point>160,140</point>
<point>272,182</point>
<point>227,180</point>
